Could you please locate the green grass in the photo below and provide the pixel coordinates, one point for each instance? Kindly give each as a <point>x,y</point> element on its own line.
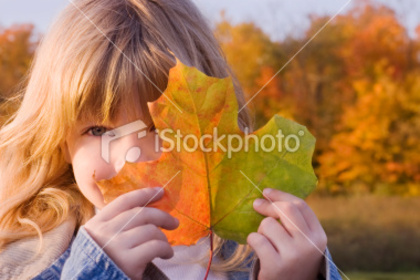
<point>383,276</point>
<point>371,233</point>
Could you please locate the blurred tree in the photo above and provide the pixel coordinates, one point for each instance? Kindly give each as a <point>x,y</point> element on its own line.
<point>377,149</point>
<point>313,80</point>
<point>375,35</point>
<point>351,86</point>
<point>17,47</point>
<point>367,150</point>
<point>417,47</point>
<point>247,48</point>
<point>271,99</point>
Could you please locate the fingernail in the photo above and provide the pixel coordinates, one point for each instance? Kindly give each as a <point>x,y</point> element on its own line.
<point>258,202</point>
<point>158,189</point>
<point>267,191</point>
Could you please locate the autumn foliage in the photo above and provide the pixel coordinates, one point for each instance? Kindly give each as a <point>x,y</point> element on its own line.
<point>356,87</point>
<point>17,47</point>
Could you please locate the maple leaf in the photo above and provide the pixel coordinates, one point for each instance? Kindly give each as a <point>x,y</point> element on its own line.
<point>213,191</point>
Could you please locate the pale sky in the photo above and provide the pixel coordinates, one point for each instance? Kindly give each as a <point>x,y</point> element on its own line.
<point>275,17</point>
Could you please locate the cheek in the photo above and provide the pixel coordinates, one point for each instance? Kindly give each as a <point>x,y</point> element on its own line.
<point>150,147</point>
<point>85,164</point>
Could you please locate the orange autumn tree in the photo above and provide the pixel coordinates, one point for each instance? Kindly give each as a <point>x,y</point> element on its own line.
<point>321,88</point>
<point>372,149</point>
<point>375,36</point>
<point>271,98</point>
<point>17,47</point>
<point>248,50</point>
<point>377,149</point>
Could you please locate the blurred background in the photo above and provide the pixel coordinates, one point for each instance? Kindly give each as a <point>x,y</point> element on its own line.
<point>348,70</point>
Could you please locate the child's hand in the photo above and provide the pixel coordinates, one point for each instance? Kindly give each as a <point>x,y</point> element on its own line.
<point>284,252</point>
<point>141,240</point>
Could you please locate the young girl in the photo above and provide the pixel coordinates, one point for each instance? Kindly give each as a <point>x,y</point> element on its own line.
<point>95,70</point>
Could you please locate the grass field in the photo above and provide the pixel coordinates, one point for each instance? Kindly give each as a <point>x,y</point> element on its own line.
<point>383,276</point>
<point>372,233</point>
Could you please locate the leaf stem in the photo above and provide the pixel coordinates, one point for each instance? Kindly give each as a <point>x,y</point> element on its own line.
<point>211,255</point>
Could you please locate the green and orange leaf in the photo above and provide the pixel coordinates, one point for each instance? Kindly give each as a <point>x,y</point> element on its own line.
<point>214,191</point>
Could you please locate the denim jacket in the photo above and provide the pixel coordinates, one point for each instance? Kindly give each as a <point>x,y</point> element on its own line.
<point>85,259</point>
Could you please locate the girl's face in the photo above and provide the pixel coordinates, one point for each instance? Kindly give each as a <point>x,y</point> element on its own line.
<point>88,152</point>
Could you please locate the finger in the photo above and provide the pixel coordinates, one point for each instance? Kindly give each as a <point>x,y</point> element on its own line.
<point>152,249</point>
<point>265,251</point>
<point>275,233</point>
<point>289,214</point>
<point>139,216</point>
<point>129,200</point>
<point>139,235</point>
<point>307,213</point>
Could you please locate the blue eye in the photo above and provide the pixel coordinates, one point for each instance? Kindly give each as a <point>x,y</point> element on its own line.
<point>97,130</point>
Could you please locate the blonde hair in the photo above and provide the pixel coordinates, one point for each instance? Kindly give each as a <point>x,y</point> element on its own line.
<point>78,73</point>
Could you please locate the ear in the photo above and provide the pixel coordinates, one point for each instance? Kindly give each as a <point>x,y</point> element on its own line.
<point>65,150</point>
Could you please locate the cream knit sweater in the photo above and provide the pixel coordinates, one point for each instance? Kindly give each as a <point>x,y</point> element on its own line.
<point>19,261</point>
